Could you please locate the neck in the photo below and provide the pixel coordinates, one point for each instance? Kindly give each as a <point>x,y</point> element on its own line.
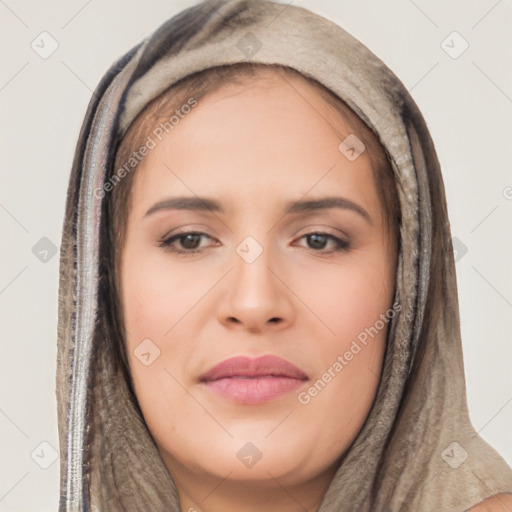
<point>210,493</point>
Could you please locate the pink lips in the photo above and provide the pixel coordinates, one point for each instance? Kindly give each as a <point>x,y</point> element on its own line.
<point>253,381</point>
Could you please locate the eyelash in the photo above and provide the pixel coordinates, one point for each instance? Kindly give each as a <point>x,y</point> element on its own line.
<point>341,245</point>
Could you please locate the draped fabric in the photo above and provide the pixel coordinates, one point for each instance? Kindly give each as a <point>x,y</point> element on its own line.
<point>400,460</point>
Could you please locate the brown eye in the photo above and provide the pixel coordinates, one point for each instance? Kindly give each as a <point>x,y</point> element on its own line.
<point>190,241</point>
<point>187,242</point>
<point>318,242</point>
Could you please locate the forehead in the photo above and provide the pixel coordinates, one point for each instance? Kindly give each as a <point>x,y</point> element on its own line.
<point>271,135</point>
<point>274,110</point>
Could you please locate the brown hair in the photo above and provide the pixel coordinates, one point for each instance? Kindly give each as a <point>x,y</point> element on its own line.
<point>196,87</point>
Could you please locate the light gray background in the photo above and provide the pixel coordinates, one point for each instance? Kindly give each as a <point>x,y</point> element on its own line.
<point>466,102</point>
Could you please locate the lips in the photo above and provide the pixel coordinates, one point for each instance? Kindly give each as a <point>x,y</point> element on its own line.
<point>264,366</point>
<point>253,381</point>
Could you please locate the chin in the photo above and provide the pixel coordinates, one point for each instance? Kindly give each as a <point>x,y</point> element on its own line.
<point>251,455</point>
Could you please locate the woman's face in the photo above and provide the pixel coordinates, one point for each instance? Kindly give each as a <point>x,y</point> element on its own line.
<point>311,284</point>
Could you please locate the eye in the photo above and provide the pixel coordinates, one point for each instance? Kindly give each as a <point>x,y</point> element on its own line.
<point>318,241</point>
<point>189,241</point>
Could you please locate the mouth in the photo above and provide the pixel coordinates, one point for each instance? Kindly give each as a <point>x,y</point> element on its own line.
<point>253,381</point>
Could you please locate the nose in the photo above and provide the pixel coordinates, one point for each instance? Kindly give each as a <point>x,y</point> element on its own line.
<point>255,297</point>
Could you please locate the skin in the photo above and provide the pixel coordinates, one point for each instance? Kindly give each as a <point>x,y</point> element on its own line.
<point>253,147</point>
<point>497,503</point>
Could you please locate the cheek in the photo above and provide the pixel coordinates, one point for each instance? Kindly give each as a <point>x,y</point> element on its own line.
<point>156,296</point>
<point>349,297</point>
<point>349,357</point>
<point>155,304</point>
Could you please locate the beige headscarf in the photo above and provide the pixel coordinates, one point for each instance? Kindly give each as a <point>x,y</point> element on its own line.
<point>418,450</point>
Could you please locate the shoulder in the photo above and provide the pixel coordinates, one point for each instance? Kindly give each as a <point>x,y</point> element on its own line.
<point>497,503</point>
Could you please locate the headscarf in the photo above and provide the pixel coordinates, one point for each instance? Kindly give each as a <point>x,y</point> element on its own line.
<point>417,450</point>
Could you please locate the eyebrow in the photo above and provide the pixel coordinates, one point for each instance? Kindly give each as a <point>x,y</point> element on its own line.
<point>300,206</point>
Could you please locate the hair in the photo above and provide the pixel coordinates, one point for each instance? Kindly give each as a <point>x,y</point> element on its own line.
<point>197,86</point>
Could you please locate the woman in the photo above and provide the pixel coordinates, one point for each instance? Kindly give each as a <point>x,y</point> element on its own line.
<point>262,309</point>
